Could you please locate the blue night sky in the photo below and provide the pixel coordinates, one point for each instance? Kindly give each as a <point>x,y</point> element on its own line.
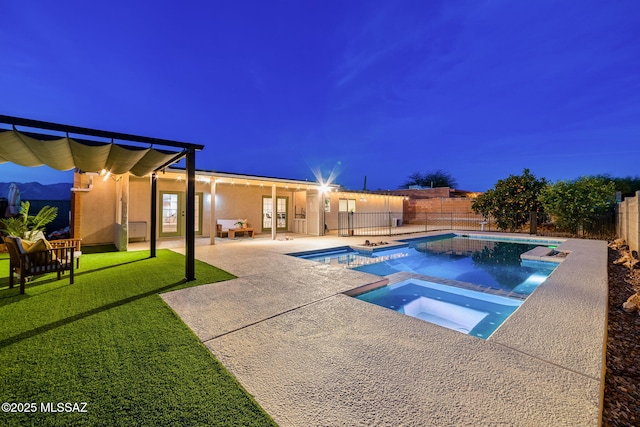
<point>479,89</point>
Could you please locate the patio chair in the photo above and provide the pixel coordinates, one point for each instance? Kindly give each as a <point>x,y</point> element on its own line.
<point>37,260</point>
<point>76,243</point>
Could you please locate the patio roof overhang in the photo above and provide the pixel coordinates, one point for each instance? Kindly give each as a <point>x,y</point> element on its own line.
<point>136,155</point>
<point>255,180</point>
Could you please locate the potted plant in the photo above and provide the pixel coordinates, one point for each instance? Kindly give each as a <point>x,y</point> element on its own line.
<point>241,224</point>
<point>26,226</point>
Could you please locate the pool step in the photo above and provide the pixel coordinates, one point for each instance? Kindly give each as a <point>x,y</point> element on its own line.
<point>544,253</point>
<point>368,287</point>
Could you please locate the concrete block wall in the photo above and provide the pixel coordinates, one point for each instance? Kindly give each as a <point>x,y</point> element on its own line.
<point>629,221</point>
<point>425,193</point>
<point>438,205</point>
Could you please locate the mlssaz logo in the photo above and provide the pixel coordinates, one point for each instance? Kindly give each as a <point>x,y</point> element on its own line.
<point>63,407</point>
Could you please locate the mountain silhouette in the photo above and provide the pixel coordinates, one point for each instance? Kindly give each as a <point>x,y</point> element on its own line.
<point>37,191</point>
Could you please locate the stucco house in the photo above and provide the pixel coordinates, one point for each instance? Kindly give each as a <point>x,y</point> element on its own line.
<point>117,209</point>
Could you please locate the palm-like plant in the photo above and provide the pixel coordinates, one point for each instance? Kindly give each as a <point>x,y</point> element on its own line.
<point>27,226</point>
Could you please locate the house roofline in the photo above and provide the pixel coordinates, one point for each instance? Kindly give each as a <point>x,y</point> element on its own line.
<point>240,177</point>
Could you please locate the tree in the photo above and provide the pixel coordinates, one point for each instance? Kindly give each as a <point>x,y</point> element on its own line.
<point>511,200</point>
<point>579,203</point>
<point>627,185</point>
<point>430,179</point>
<point>27,226</point>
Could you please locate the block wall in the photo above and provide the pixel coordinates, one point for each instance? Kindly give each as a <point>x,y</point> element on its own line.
<point>629,221</point>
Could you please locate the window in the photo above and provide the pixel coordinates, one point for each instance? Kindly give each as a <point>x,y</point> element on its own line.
<point>347,205</point>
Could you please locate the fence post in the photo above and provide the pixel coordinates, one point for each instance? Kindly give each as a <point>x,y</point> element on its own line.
<point>390,224</point>
<point>533,223</point>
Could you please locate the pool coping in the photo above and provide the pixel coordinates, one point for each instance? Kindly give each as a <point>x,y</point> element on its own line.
<point>310,359</point>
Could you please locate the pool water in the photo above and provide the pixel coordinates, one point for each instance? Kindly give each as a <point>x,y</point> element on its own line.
<point>494,264</point>
<point>470,312</point>
<point>465,283</point>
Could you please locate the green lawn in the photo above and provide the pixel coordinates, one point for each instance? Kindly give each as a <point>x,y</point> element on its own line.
<point>110,341</point>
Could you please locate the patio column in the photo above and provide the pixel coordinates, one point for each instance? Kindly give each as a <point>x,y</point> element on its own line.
<point>76,209</point>
<point>213,229</point>
<point>122,213</point>
<point>274,212</point>
<point>154,216</point>
<point>321,216</point>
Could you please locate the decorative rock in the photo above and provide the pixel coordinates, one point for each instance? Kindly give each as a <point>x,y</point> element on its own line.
<point>632,303</point>
<point>622,408</point>
<point>627,260</point>
<point>618,244</point>
<point>629,307</point>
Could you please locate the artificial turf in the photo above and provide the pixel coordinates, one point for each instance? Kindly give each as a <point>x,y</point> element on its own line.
<point>110,341</point>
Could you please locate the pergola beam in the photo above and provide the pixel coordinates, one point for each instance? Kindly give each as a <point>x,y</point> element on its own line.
<point>37,124</point>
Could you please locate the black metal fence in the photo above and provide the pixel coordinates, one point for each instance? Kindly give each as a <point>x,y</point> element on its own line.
<point>393,223</point>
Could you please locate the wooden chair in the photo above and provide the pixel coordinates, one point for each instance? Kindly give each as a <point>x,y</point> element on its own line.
<point>76,243</point>
<point>35,263</point>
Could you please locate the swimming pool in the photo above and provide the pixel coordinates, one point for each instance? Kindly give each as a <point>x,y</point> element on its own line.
<point>467,283</point>
<point>470,312</point>
<point>491,263</point>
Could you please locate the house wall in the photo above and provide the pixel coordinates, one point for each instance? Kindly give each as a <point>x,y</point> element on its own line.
<point>140,203</point>
<point>140,200</point>
<point>240,201</point>
<point>96,210</point>
<point>365,202</point>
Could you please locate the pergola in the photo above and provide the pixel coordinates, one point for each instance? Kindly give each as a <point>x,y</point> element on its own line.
<point>33,148</point>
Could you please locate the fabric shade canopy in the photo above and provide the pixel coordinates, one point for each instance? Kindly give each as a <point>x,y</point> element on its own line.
<point>67,153</point>
<point>27,149</point>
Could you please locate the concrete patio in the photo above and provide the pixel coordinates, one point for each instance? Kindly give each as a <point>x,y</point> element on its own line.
<point>311,355</point>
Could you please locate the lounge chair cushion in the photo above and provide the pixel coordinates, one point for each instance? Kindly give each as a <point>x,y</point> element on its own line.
<point>38,246</point>
<point>26,244</point>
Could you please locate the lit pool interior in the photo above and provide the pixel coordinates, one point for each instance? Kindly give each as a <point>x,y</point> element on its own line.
<point>467,283</point>
<point>463,310</point>
<point>491,263</point>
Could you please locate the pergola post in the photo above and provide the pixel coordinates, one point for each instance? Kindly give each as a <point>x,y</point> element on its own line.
<point>154,215</point>
<point>190,235</point>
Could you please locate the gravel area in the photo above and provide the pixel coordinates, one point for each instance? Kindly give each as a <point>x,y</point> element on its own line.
<point>622,392</point>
